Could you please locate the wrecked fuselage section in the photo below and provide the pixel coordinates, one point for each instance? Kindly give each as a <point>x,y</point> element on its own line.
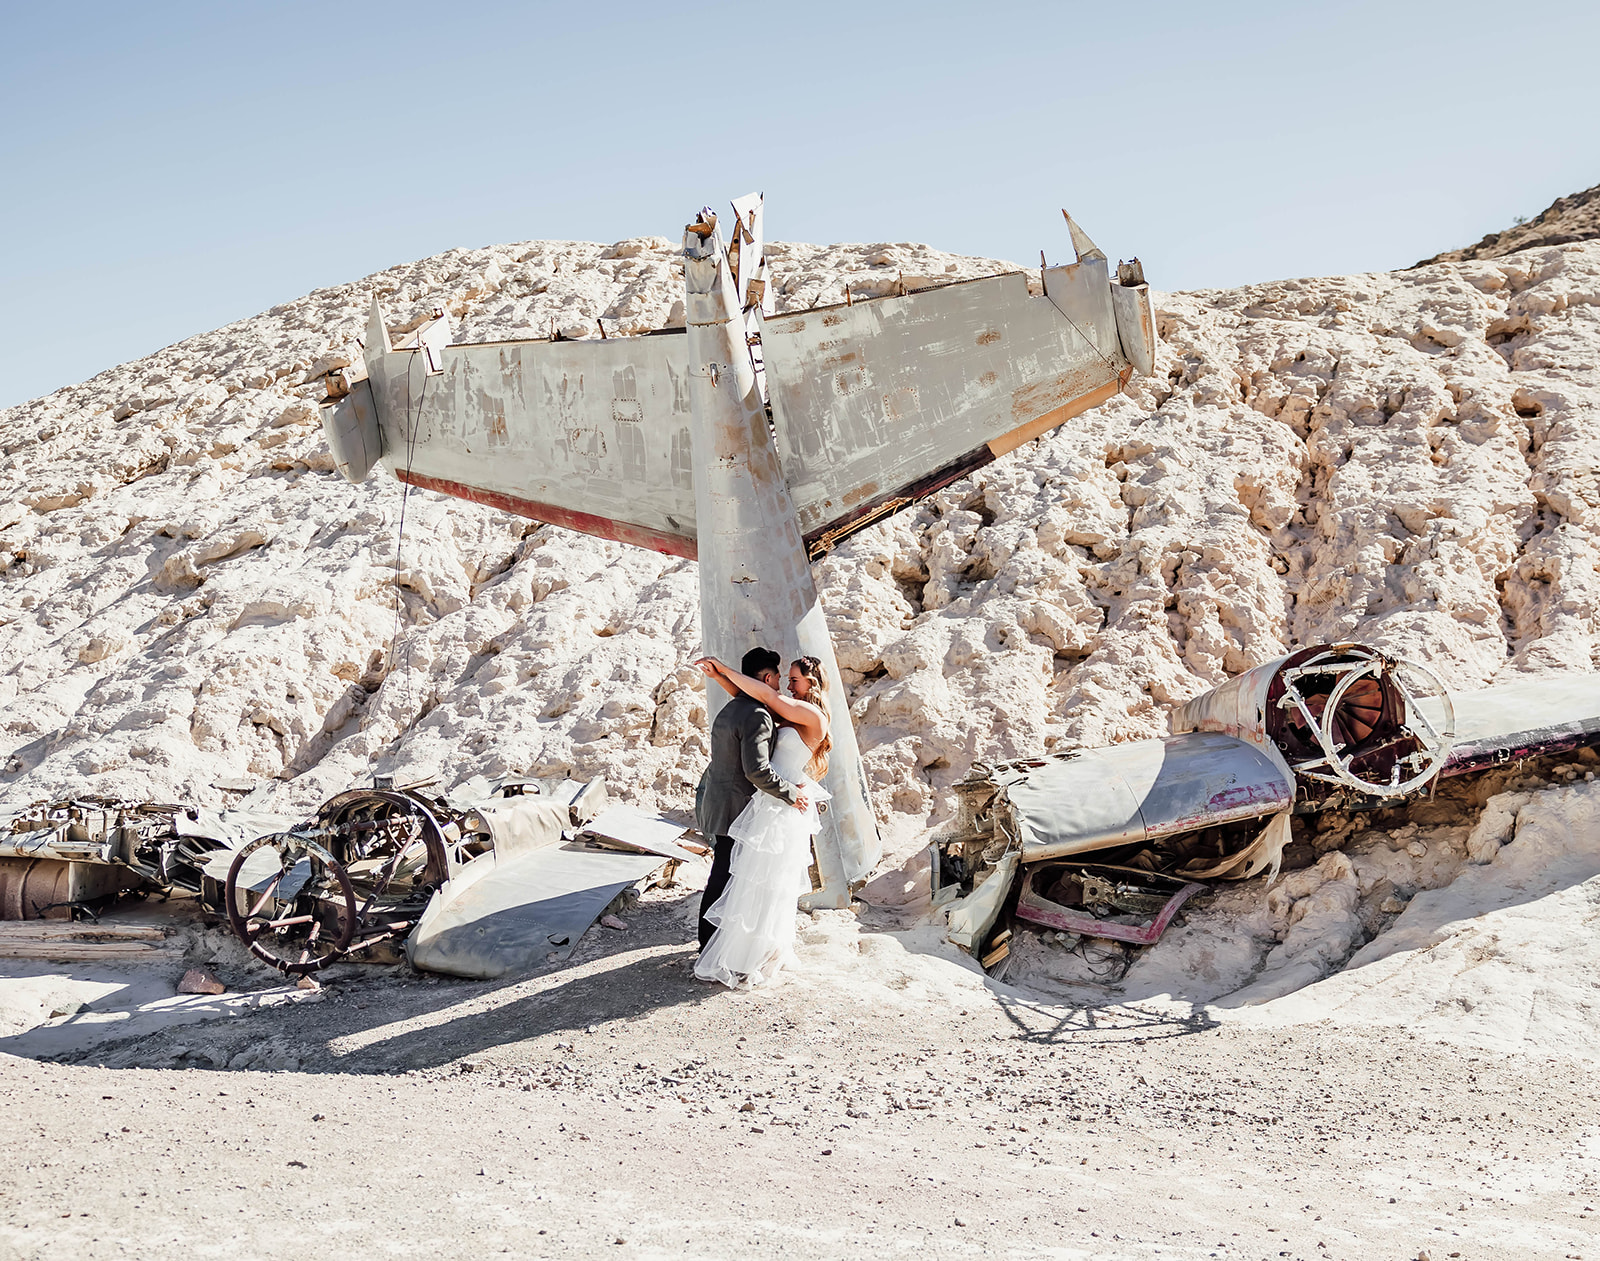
<point>1111,842</point>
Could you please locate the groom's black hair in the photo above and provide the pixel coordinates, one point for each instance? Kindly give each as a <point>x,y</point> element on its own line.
<point>758,661</point>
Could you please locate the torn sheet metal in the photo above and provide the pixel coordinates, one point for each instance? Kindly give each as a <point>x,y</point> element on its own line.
<point>971,919</point>
<point>1095,900</point>
<point>1265,853</point>
<point>1094,799</point>
<point>1328,726</point>
<point>583,799</point>
<point>496,917</point>
<point>520,825</point>
<point>649,833</point>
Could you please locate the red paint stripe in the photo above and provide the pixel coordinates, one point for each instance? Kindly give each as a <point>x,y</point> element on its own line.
<point>829,535</point>
<point>566,518</point>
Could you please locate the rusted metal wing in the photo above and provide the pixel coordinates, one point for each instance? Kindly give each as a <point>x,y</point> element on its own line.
<point>1525,718</point>
<point>878,404</point>
<point>591,435</point>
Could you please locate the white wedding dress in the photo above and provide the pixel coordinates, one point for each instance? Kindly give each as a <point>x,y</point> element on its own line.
<point>767,874</point>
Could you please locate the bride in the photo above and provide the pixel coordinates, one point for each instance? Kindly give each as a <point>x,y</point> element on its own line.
<point>768,871</point>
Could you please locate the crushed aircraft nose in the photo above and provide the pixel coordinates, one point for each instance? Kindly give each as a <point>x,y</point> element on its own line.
<point>1332,726</point>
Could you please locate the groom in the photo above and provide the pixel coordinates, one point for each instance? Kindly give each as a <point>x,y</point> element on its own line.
<point>741,753</point>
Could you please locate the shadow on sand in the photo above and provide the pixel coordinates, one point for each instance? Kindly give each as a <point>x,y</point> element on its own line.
<point>1044,1023</point>
<point>372,1019</point>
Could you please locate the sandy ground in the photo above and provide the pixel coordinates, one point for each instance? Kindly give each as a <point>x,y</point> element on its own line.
<point>886,1100</point>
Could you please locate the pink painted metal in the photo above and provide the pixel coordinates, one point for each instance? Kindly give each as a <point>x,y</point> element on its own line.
<point>1038,909</point>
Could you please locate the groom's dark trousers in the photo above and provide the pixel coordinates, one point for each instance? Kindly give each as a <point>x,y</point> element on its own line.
<point>715,883</point>
<point>741,751</point>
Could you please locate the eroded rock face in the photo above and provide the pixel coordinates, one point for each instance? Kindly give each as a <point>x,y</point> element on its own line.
<point>189,593</point>
<point>1404,459</point>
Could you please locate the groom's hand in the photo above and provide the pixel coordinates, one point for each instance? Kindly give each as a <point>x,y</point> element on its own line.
<point>802,802</point>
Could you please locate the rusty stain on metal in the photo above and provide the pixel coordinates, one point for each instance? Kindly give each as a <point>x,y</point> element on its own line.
<point>1059,416</point>
<point>826,542</point>
<point>668,541</point>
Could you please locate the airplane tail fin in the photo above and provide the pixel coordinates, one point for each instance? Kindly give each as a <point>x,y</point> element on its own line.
<point>1086,249</point>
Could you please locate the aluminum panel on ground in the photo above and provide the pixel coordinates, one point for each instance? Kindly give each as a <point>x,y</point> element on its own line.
<point>493,917</point>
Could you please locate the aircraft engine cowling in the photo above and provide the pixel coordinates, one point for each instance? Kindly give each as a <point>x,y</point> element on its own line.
<point>1339,715</point>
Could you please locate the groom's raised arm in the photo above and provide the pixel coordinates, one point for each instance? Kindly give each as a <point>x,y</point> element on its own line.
<point>755,754</point>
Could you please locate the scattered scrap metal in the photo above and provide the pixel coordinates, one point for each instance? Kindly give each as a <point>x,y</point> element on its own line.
<point>772,436</point>
<point>59,855</point>
<point>492,876</point>
<point>1340,726</point>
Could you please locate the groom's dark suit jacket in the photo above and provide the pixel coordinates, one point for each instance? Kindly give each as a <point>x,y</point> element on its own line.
<point>741,749</point>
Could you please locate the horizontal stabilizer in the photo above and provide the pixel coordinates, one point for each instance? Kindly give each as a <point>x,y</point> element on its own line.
<point>591,435</point>
<point>880,403</point>
<point>876,403</point>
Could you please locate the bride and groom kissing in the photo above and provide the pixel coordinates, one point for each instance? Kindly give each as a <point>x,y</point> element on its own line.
<point>758,802</point>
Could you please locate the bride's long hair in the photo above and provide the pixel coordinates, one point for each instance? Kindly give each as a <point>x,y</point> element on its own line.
<point>811,670</point>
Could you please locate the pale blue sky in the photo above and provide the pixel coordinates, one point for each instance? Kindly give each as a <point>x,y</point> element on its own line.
<point>168,167</point>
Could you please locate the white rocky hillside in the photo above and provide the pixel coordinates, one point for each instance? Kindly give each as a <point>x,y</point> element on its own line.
<point>189,595</point>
